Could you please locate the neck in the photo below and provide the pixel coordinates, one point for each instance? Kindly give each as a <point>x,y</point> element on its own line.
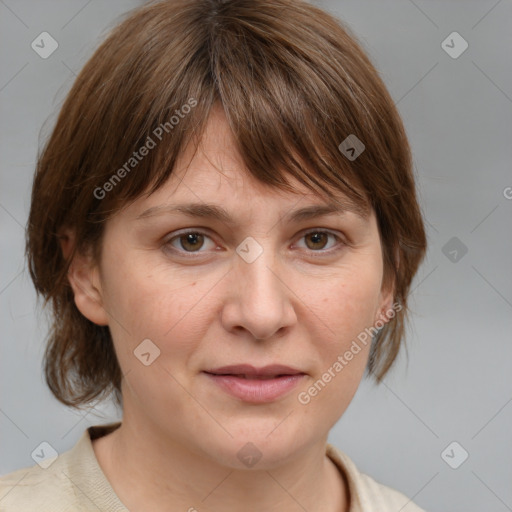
<point>148,472</point>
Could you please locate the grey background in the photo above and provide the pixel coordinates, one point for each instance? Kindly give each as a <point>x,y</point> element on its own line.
<point>457,383</point>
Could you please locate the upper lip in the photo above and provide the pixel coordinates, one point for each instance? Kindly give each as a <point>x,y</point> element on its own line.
<point>248,370</point>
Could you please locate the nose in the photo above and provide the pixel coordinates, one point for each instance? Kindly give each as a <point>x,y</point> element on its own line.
<point>259,300</point>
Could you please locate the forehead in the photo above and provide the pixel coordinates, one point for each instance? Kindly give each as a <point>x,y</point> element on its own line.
<point>215,157</point>
<point>227,191</point>
<point>213,171</point>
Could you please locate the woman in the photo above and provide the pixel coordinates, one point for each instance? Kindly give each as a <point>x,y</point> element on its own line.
<point>225,223</point>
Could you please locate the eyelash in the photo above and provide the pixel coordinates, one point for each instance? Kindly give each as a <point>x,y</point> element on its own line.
<point>319,253</point>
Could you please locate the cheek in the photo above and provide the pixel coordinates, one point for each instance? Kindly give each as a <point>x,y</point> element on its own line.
<point>348,303</point>
<point>150,304</point>
<point>344,350</point>
<point>147,301</point>
<point>346,309</point>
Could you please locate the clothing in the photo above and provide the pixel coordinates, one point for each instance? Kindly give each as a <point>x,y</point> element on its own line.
<point>75,482</point>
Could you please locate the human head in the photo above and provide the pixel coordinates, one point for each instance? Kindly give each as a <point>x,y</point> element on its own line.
<point>293,83</point>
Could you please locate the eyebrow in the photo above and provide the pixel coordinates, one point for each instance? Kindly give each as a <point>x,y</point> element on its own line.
<point>213,211</point>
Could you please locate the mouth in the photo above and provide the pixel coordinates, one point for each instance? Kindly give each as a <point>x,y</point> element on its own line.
<point>250,372</point>
<point>251,377</point>
<point>256,385</point>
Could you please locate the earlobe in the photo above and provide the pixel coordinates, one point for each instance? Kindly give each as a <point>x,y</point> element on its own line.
<point>386,311</point>
<point>387,304</point>
<point>83,276</point>
<point>87,294</point>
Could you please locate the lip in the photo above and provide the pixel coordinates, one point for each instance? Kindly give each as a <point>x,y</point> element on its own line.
<point>251,371</point>
<point>256,385</point>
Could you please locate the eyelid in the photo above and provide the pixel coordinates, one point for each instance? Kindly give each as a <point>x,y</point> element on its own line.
<point>176,234</point>
<point>341,241</point>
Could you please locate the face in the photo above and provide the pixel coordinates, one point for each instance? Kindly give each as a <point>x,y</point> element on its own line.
<point>261,289</point>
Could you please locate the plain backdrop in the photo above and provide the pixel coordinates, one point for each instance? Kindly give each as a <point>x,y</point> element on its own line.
<point>456,385</point>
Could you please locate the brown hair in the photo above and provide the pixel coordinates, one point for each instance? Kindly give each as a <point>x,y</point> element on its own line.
<point>293,82</point>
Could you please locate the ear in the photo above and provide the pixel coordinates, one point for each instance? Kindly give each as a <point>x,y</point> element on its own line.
<point>84,278</point>
<point>386,310</point>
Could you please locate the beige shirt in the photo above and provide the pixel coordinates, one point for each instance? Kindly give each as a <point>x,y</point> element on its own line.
<point>75,482</point>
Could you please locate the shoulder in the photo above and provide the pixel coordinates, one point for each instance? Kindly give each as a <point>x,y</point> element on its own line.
<point>367,494</point>
<point>36,488</point>
<point>71,481</point>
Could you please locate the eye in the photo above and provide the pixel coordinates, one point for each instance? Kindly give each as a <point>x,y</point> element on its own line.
<point>316,241</point>
<point>193,241</point>
<point>189,241</point>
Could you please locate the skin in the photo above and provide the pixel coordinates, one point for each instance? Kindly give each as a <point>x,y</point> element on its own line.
<point>180,434</point>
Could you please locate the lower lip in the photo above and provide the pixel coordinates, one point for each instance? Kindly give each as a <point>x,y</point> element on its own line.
<point>256,390</point>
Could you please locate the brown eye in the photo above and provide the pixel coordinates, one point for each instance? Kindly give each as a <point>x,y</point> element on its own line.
<point>318,239</point>
<point>189,242</point>
<point>317,243</point>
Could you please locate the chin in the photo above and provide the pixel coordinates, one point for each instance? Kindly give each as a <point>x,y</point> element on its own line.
<point>258,445</point>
